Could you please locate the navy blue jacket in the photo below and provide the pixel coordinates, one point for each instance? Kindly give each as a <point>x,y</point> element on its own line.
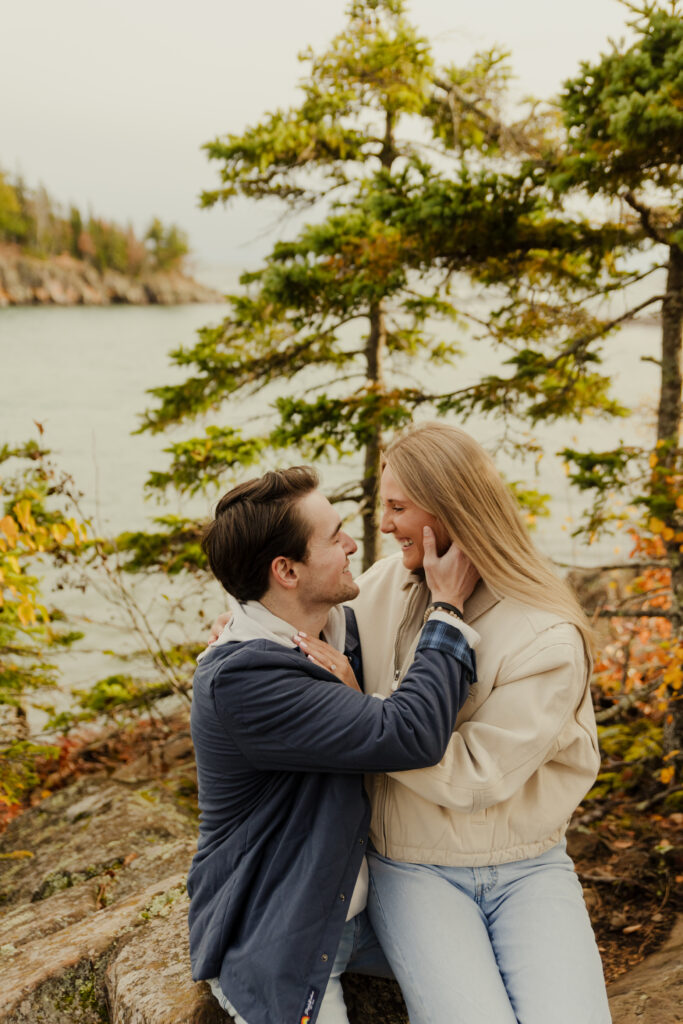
<point>281,745</point>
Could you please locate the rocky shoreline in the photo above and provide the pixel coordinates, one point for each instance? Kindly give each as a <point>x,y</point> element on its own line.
<point>65,281</point>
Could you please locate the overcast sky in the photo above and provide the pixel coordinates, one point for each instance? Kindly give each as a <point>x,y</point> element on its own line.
<point>107,102</point>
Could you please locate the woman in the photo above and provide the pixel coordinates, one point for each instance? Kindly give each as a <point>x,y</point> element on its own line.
<point>473,896</point>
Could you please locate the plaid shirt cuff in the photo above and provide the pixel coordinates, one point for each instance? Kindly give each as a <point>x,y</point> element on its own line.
<point>442,636</point>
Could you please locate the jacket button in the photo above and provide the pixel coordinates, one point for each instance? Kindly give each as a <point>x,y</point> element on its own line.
<point>342,897</point>
<point>324,958</point>
<point>362,842</point>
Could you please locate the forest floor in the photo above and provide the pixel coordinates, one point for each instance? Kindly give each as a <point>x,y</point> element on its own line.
<point>630,866</point>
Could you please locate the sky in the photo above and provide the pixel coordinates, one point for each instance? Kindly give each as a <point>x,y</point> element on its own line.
<point>108,102</point>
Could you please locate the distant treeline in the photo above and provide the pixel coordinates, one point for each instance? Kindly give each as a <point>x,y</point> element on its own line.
<point>31,219</point>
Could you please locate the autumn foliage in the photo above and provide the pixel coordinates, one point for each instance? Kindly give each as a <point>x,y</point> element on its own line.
<point>31,527</point>
<point>638,681</point>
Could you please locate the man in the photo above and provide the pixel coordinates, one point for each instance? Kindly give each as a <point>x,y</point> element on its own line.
<point>281,745</point>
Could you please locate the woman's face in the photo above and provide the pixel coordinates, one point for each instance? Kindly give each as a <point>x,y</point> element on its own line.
<point>406,520</point>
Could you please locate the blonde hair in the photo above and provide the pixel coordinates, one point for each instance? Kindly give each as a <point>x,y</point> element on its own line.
<point>446,473</point>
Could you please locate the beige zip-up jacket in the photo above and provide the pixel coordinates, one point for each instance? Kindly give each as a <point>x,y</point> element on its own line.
<point>524,752</point>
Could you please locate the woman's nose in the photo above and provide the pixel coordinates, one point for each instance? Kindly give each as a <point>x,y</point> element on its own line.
<point>386,523</point>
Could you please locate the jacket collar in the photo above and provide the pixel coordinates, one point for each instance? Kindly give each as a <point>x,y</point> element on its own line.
<point>352,639</point>
<point>481,599</point>
<point>252,621</point>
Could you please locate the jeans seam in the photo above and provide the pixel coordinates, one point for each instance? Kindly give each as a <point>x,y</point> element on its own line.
<point>356,935</point>
<point>397,951</point>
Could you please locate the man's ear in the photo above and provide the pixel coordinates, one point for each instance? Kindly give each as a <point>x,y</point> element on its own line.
<point>284,572</point>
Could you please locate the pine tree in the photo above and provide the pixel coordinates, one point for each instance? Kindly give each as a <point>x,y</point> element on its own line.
<point>419,183</point>
<point>624,122</point>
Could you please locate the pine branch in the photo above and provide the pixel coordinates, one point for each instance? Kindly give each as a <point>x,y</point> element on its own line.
<point>585,339</point>
<point>646,213</point>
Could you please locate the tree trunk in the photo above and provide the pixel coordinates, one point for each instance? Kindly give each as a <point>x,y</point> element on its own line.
<point>374,351</point>
<point>374,354</point>
<point>668,431</point>
<point>669,413</point>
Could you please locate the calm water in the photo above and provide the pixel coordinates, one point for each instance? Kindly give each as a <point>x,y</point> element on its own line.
<point>83,374</point>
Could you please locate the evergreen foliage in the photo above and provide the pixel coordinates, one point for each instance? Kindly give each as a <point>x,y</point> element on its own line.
<point>421,188</point>
<point>32,220</point>
<point>624,143</point>
<point>623,117</point>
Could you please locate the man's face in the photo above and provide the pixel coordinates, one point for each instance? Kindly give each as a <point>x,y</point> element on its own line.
<point>325,575</point>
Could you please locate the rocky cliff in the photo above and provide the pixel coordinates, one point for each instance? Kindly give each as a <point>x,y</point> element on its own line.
<point>93,910</point>
<point>65,281</point>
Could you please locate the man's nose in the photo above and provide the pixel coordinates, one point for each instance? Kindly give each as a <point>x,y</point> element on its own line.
<point>349,544</point>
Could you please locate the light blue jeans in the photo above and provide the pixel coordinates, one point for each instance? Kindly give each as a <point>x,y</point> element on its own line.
<point>511,944</point>
<point>358,951</point>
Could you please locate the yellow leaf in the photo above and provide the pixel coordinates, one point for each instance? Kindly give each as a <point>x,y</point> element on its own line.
<point>22,511</point>
<point>653,460</point>
<point>16,855</point>
<point>10,529</point>
<point>26,613</point>
<point>44,613</point>
<point>41,536</point>
<point>667,533</point>
<point>59,532</point>
<point>667,774</point>
<point>679,501</point>
<point>656,525</point>
<point>75,529</point>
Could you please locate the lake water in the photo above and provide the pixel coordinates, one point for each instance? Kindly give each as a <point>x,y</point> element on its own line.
<point>83,374</point>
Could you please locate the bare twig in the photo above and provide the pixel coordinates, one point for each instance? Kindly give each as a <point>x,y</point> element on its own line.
<point>642,613</point>
<point>627,702</point>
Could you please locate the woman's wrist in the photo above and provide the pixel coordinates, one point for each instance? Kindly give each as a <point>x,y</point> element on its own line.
<point>448,607</point>
<point>456,600</point>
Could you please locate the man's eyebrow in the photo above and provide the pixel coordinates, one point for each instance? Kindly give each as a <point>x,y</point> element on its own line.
<point>336,530</point>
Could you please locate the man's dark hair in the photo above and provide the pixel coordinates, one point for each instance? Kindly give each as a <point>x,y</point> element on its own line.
<point>254,523</point>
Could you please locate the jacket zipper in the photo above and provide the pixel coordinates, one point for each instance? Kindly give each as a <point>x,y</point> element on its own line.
<point>396,678</point>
